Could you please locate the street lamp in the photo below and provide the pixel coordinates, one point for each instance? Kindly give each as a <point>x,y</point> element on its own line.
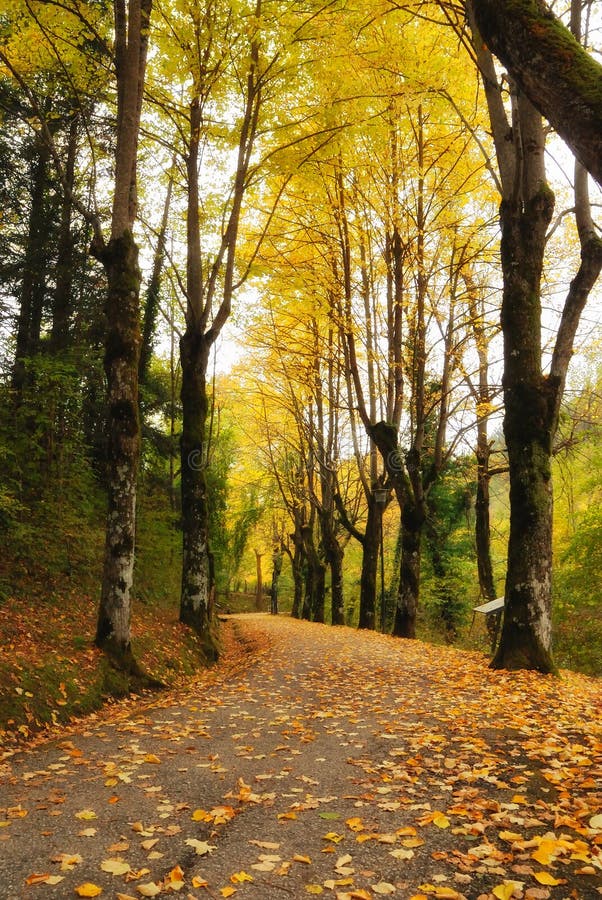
<point>381,498</point>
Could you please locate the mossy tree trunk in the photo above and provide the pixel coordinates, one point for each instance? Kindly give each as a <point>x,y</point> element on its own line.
<point>196,553</point>
<point>120,259</point>
<point>532,399</point>
<point>526,638</point>
<point>547,62</point>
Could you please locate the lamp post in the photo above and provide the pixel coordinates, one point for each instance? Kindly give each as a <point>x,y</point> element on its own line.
<point>381,498</point>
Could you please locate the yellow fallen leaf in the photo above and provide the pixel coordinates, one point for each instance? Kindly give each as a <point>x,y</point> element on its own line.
<point>546,878</point>
<point>115,866</point>
<point>149,844</point>
<point>383,887</point>
<point>151,758</point>
<point>240,877</point>
<point>355,823</point>
<point>413,842</point>
<point>510,836</point>
<point>85,814</point>
<point>302,859</point>
<point>87,889</point>
<point>287,815</point>
<point>596,822</point>
<point>199,815</point>
<point>201,847</point>
<point>441,821</point>
<point>37,878</point>
<point>314,888</point>
<point>197,881</point>
<point>504,891</point>
<point>227,891</point>
<point>334,837</point>
<point>148,890</point>
<point>125,897</point>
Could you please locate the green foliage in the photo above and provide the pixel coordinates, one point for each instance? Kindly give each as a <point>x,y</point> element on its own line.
<point>578,573</point>
<point>449,581</point>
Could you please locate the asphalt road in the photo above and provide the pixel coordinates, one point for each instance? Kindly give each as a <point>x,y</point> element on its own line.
<point>318,761</point>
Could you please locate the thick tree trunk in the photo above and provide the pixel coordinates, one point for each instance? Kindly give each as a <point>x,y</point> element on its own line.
<point>558,76</point>
<point>529,400</point>
<point>316,578</point>
<point>412,522</point>
<point>120,259</point>
<point>197,581</point>
<point>369,575</point>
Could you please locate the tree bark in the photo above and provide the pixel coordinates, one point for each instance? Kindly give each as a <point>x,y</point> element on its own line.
<point>120,259</point>
<point>276,572</point>
<point>196,554</point>
<point>316,577</point>
<point>369,575</point>
<point>406,608</point>
<point>549,65</point>
<point>35,267</point>
<point>529,396</point>
<point>259,581</point>
<point>63,301</point>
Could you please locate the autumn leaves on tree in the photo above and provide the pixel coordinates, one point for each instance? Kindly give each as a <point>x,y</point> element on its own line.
<point>333,174</point>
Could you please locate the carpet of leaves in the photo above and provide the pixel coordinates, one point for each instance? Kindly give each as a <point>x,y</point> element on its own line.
<point>313,761</point>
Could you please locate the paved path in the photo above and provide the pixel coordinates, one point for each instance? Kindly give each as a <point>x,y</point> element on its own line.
<point>319,761</point>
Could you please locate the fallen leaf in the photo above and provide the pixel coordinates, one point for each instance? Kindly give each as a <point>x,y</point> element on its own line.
<point>504,891</point>
<point>201,847</point>
<point>37,878</point>
<point>240,877</point>
<point>151,758</point>
<point>87,889</point>
<point>383,887</point>
<point>115,866</point>
<point>546,878</point>
<point>148,890</point>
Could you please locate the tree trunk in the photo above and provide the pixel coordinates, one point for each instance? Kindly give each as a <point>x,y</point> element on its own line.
<point>196,560</point>
<point>558,76</point>
<point>120,258</point>
<point>276,571</point>
<point>529,399</point>
<point>259,581</point>
<point>316,578</point>
<point>63,301</point>
<point>34,268</point>
<point>336,556</point>
<point>412,522</point>
<point>369,576</point>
